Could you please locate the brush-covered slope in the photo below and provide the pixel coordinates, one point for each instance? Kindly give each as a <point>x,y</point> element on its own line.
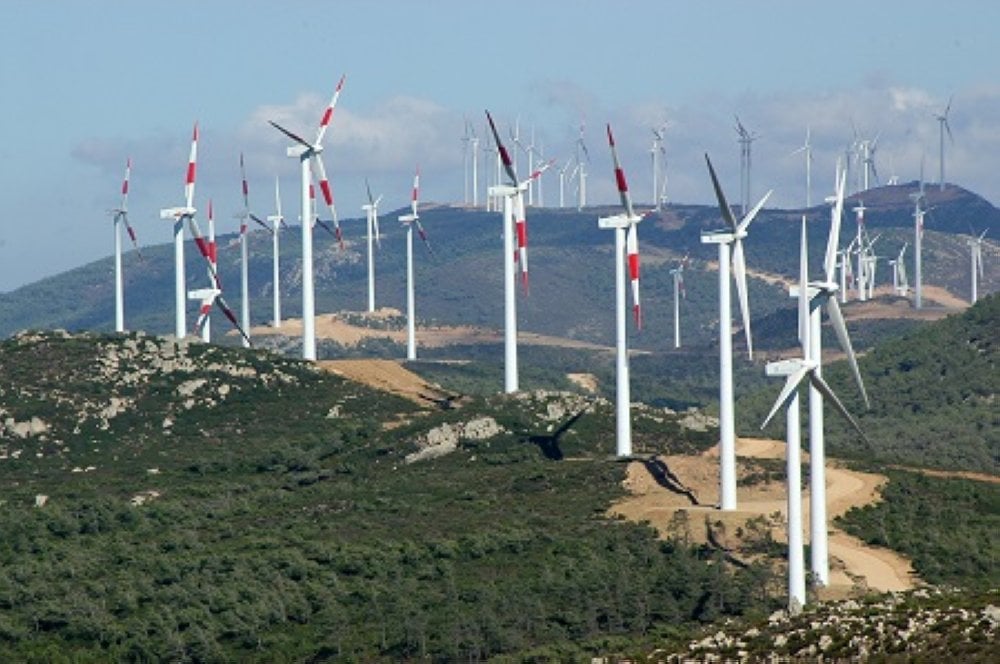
<point>191,502</point>
<point>933,396</point>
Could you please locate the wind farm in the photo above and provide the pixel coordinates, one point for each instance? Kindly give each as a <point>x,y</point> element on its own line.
<point>387,453</point>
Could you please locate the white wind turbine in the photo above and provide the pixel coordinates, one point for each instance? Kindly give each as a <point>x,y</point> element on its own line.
<point>243,216</point>
<point>277,221</point>
<point>859,241</point>
<point>119,217</point>
<point>373,237</point>
<point>795,371</point>
<point>679,291</point>
<point>179,215</point>
<point>730,243</point>
<point>306,152</point>
<point>819,294</point>
<point>943,127</point>
<point>512,195</point>
<point>626,252</point>
<point>746,139</point>
<point>658,153</point>
<point>581,170</point>
<point>899,284</point>
<point>806,149</point>
<point>918,241</point>
<point>976,250</point>
<point>409,220</point>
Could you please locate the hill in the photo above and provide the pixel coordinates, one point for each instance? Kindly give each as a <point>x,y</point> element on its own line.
<point>933,396</point>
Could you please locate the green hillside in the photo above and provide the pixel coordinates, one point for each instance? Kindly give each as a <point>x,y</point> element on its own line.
<point>192,502</point>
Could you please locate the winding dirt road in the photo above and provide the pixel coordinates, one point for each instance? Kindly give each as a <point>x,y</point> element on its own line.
<point>853,563</point>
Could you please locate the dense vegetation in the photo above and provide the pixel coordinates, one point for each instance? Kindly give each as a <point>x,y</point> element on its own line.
<point>933,396</point>
<point>950,528</point>
<point>239,505</point>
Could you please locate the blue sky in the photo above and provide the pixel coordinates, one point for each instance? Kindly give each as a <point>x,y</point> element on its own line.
<point>86,84</point>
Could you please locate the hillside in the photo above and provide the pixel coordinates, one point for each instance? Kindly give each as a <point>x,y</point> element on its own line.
<point>933,396</point>
<point>572,274</point>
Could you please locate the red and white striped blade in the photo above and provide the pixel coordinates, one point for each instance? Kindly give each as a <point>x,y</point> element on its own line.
<point>131,233</point>
<point>521,227</point>
<point>204,248</point>
<point>128,173</point>
<point>192,167</point>
<point>246,189</point>
<point>228,312</point>
<point>423,236</point>
<point>416,191</point>
<point>632,249</point>
<point>324,187</point>
<point>508,164</point>
<point>203,311</point>
<point>620,176</point>
<point>324,122</point>
<point>680,285</point>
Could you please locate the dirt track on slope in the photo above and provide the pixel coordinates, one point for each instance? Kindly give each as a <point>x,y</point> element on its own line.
<point>852,563</point>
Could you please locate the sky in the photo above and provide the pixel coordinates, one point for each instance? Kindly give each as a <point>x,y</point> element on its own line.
<point>85,85</point>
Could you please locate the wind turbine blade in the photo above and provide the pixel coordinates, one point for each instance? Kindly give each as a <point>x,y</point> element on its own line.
<point>423,236</point>
<point>745,222</point>
<point>221,303</point>
<point>192,167</point>
<point>508,165</point>
<point>277,198</point>
<point>295,137</point>
<point>620,176</point>
<point>246,189</point>
<point>131,233</point>
<point>378,236</point>
<point>727,213</point>
<point>261,222</point>
<point>830,397</point>
<point>740,273</point>
<point>830,259</point>
<point>328,113</point>
<point>521,228</point>
<point>416,192</point>
<point>128,174</point>
<point>840,328</point>
<point>368,188</point>
<point>632,249</point>
<point>324,187</point>
<point>791,384</point>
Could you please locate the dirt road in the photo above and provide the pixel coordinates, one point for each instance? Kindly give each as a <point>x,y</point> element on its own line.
<point>852,562</point>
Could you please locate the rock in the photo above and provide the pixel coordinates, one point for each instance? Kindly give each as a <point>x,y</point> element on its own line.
<point>41,499</point>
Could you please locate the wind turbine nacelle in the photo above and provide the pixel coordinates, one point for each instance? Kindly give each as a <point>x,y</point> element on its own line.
<point>274,218</point>
<point>203,293</point>
<point>503,190</point>
<point>408,218</point>
<point>718,237</point>
<point>176,213</point>
<point>783,367</point>
<point>617,221</point>
<point>297,150</point>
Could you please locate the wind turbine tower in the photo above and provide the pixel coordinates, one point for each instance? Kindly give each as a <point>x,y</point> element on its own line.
<point>679,291</point>
<point>943,127</point>
<point>976,250</point>
<point>179,215</point>
<point>746,139</point>
<point>409,220</point>
<point>658,155</point>
<point>307,152</point>
<point>277,221</point>
<point>730,242</point>
<point>918,239</point>
<point>626,252</point>
<point>806,149</point>
<point>119,216</point>
<point>372,236</point>
<point>860,242</point>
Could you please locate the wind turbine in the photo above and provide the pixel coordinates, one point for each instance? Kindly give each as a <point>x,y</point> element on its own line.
<point>409,220</point>
<point>860,242</point>
<point>562,182</point>
<point>206,296</point>
<point>943,127</point>
<point>730,241</point>
<point>581,170</point>
<point>795,371</point>
<point>869,172</point>
<point>276,220</point>
<point>371,212</point>
<point>626,252</point>
<point>243,215</point>
<point>899,285</point>
<point>179,215</point>
<point>746,139</point>
<point>806,149</point>
<point>466,145</point>
<point>918,239</point>
<point>976,249</point>
<point>119,217</point>
<point>819,294</point>
<point>657,152</point>
<point>679,291</point>
<point>306,152</point>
